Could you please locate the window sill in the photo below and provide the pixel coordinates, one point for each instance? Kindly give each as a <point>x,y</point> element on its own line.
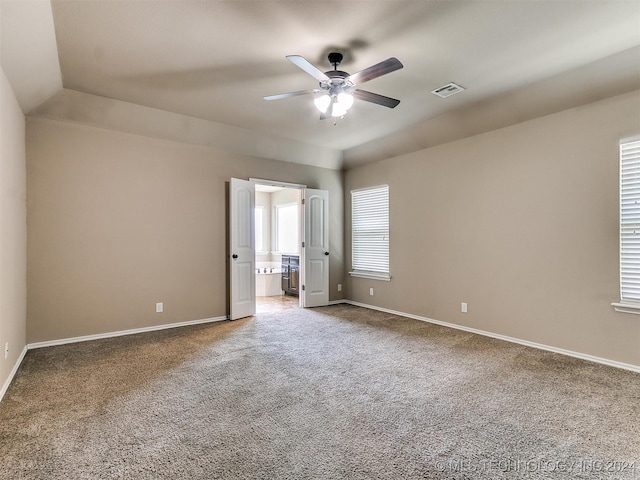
<point>627,308</point>
<point>371,275</point>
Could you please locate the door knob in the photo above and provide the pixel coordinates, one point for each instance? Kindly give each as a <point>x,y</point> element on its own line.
<point>326,253</point>
<point>234,256</point>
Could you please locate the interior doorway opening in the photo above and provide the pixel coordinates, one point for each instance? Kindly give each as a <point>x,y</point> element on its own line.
<point>313,245</point>
<point>278,233</point>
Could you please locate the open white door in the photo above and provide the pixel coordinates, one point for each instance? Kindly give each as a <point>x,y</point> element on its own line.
<point>316,248</point>
<point>242,249</point>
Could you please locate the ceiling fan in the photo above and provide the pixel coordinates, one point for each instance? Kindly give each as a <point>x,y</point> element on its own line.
<point>338,89</point>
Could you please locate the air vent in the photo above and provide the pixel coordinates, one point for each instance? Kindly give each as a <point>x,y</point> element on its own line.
<point>448,90</point>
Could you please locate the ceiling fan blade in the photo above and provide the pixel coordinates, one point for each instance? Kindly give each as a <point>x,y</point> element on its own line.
<point>303,64</point>
<point>375,98</point>
<point>290,94</point>
<point>387,66</point>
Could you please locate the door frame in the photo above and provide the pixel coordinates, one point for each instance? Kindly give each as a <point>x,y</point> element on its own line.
<point>301,188</point>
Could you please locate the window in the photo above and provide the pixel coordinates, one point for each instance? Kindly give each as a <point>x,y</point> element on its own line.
<point>370,232</point>
<point>287,231</point>
<point>259,229</point>
<point>629,227</point>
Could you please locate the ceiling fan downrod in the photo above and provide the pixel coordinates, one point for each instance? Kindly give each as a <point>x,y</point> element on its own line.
<point>335,59</point>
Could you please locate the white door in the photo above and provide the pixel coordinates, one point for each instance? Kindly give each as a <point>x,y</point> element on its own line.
<point>242,249</point>
<point>316,249</point>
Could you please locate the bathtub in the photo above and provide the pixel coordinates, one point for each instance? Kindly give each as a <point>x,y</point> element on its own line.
<point>268,284</point>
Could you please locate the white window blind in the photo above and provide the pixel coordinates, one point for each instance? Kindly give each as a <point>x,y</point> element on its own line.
<point>370,230</point>
<point>630,222</point>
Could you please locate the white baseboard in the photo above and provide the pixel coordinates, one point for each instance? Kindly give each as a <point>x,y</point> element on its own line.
<point>540,346</point>
<point>121,333</point>
<point>5,387</point>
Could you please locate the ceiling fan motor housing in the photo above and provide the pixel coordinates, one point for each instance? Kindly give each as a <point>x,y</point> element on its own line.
<point>337,81</point>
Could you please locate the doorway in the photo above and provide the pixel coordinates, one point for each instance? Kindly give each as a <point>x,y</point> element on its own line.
<point>278,234</point>
<point>313,245</point>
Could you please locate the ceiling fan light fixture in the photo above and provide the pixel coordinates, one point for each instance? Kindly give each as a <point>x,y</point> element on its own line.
<point>345,100</point>
<point>339,104</point>
<point>338,110</point>
<point>322,102</point>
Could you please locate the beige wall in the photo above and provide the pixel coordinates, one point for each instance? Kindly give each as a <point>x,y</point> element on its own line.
<point>521,223</point>
<point>118,222</point>
<point>13,228</point>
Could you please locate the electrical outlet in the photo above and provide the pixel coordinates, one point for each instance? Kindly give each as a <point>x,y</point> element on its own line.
<point>159,307</point>
<point>6,350</point>
<point>463,307</point>
<point>371,291</point>
<point>339,287</point>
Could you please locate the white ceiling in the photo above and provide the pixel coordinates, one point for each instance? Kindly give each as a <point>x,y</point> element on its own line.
<point>215,60</point>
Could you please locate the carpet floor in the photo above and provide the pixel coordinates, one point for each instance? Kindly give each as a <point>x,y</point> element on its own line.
<point>338,392</point>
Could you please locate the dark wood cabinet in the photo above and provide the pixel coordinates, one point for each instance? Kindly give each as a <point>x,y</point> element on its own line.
<point>290,274</point>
